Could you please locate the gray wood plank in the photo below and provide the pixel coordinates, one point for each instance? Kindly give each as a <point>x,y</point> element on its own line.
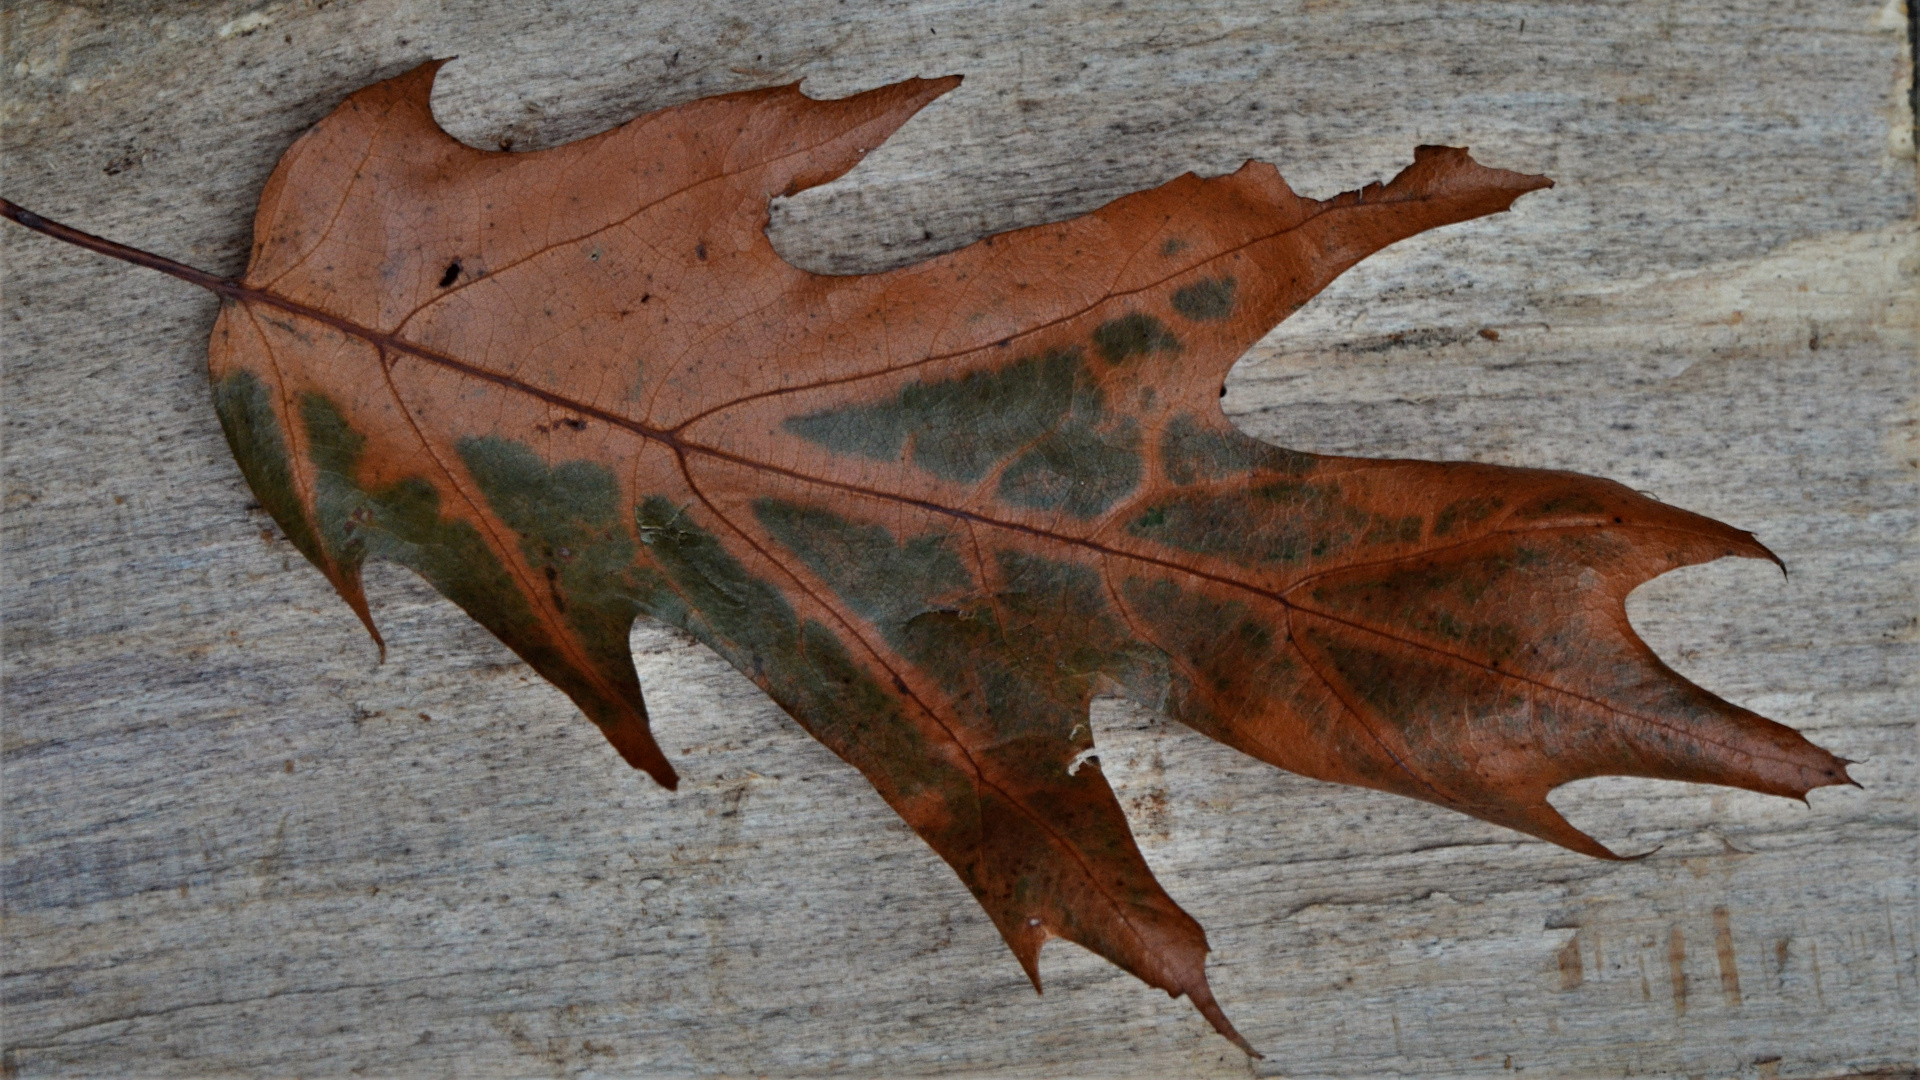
<point>236,845</point>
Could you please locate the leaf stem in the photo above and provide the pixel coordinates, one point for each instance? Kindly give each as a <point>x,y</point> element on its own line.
<point>21,216</point>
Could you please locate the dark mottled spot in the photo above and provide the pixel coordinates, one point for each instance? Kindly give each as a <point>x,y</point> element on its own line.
<point>1025,661</point>
<point>885,581</point>
<point>253,432</point>
<point>1571,502</point>
<point>1281,522</point>
<point>1440,600</point>
<point>402,522</point>
<point>1444,714</point>
<point>571,530</point>
<point>1400,689</point>
<point>800,664</point>
<point>1079,468</point>
<point>1133,335</point>
<point>1206,301</point>
<point>1226,657</point>
<point>956,429</point>
<point>1191,452</point>
<point>568,526</point>
<point>1472,510</point>
<point>1073,455</point>
<point>1393,530</point>
<point>1015,673</point>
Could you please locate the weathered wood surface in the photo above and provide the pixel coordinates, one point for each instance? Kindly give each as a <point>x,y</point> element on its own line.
<point>237,845</point>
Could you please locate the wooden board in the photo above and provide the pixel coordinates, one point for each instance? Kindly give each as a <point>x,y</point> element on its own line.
<point>235,844</point>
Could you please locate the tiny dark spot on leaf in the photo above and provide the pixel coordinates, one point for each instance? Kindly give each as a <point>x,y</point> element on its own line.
<point>452,275</point>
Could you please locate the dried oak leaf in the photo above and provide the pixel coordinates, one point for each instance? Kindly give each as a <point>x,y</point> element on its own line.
<point>933,511</point>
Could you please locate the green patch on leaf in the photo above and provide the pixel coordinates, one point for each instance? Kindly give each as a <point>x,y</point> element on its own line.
<point>1572,502</point>
<point>1471,510</point>
<point>1206,301</point>
<point>957,429</point>
<point>886,582</point>
<point>403,522</point>
<point>1281,522</point>
<point>573,534</point>
<point>1071,454</point>
<point>1191,452</point>
<point>1021,662</point>
<point>1441,600</point>
<point>1393,530</point>
<point>1133,335</point>
<point>1400,689</point>
<point>802,665</point>
<point>1223,657</point>
<point>253,431</point>
<point>1078,467</point>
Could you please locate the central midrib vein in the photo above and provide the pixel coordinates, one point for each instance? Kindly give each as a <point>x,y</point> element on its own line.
<point>671,438</point>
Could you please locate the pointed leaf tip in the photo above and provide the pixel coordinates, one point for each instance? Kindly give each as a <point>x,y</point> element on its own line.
<point>1202,997</point>
<point>366,620</point>
<point>637,748</point>
<point>417,82</point>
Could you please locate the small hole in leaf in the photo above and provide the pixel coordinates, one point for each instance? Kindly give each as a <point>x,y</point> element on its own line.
<point>452,275</point>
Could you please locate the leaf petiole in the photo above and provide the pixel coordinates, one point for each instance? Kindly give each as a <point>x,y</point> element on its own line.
<point>26,218</point>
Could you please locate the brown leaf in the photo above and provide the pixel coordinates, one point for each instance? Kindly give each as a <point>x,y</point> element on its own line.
<point>933,511</point>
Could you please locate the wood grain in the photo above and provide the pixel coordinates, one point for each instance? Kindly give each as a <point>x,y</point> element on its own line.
<point>235,844</point>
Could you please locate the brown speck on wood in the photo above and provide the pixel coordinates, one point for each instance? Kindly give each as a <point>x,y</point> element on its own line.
<point>1571,972</point>
<point>1723,951</point>
<point>1677,968</point>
